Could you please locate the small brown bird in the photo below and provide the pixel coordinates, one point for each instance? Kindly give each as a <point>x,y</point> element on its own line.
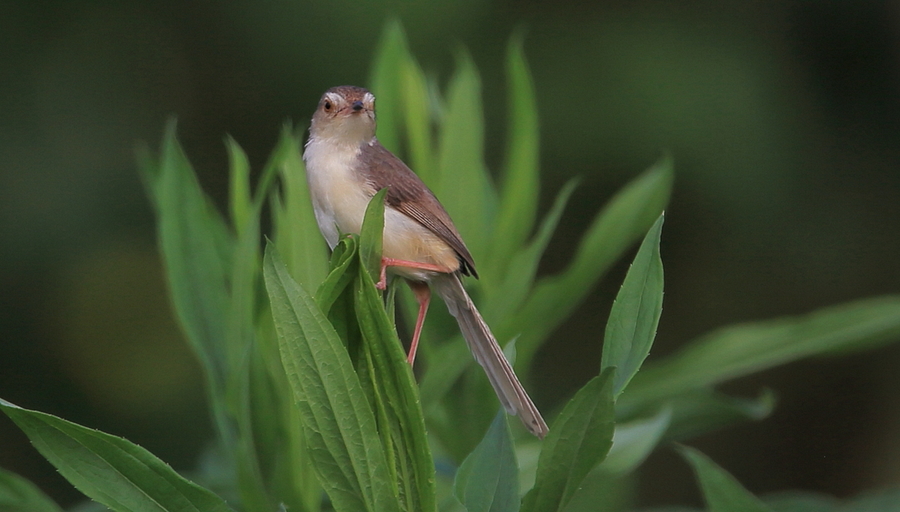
<point>345,167</point>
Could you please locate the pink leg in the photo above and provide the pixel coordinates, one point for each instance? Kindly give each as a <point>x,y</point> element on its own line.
<point>423,297</point>
<point>392,262</point>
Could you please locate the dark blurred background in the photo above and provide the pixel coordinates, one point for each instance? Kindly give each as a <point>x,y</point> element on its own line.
<point>783,119</point>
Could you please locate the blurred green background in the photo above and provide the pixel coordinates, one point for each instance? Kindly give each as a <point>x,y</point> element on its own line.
<point>783,120</point>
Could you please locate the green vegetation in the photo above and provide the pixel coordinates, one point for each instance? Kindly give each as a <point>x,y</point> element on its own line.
<point>314,405</point>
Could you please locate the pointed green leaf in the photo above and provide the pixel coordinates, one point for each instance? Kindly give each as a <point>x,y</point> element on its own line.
<point>296,231</point>
<point>463,185</point>
<point>338,421</point>
<point>722,492</point>
<point>488,480</point>
<point>633,442</point>
<point>239,190</point>
<point>874,501</point>
<point>579,439</point>
<point>370,235</point>
<point>635,313</point>
<point>396,393</point>
<point>521,270</point>
<point>521,183</point>
<point>342,261</point>
<point>621,222</point>
<point>393,380</point>
<point>19,495</point>
<point>704,410</point>
<point>196,251</point>
<point>414,95</point>
<point>805,501</point>
<point>287,150</point>
<point>742,349</point>
<point>391,58</point>
<point>109,469</point>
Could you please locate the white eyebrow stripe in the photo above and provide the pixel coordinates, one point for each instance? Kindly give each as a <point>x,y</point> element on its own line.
<point>369,98</point>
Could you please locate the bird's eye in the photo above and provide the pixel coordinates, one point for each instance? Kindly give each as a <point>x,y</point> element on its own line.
<point>327,106</point>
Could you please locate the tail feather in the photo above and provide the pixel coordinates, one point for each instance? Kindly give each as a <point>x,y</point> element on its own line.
<point>488,354</point>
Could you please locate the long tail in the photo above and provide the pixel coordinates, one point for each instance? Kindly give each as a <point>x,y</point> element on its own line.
<point>488,354</point>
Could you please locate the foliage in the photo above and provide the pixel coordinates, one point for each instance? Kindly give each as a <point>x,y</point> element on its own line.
<point>314,405</point>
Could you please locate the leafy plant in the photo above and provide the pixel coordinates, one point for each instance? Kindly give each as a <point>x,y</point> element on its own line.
<point>314,405</point>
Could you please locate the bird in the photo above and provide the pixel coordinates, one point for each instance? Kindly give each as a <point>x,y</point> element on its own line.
<point>346,166</point>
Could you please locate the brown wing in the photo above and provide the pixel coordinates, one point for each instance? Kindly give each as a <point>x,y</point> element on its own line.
<point>407,194</point>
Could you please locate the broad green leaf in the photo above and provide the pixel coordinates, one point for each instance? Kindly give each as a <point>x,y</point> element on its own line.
<point>488,480</point>
<point>402,423</point>
<point>722,492</point>
<point>635,313</point>
<point>705,410</point>
<point>239,189</point>
<point>109,469</point>
<point>287,150</point>
<point>674,508</point>
<point>342,260</point>
<point>296,231</point>
<point>463,185</point>
<point>521,183</point>
<point>626,218</point>
<point>604,492</point>
<point>886,500</point>
<point>394,381</point>
<point>370,236</point>
<point>338,421</point>
<point>579,439</point>
<point>448,361</point>
<point>520,270</point>
<point>414,90</point>
<point>742,349</point>
<point>391,58</point>
<point>196,251</point>
<point>633,442</point>
<point>19,495</point>
<point>804,501</point>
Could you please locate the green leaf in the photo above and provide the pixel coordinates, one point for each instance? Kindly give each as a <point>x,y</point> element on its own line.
<point>742,349</point>
<point>286,150</point>
<point>391,58</point>
<point>109,469</point>
<point>507,297</point>
<point>804,501</point>
<point>601,491</point>
<point>579,439</point>
<point>19,495</point>
<point>463,184</point>
<point>635,313</point>
<point>705,410</point>
<point>634,441</point>
<point>239,191</point>
<point>626,218</point>
<point>414,90</point>
<point>874,501</point>
<point>196,250</point>
<point>338,421</point>
<point>722,492</point>
<point>521,181</point>
<point>399,410</point>
<point>342,260</point>
<point>488,480</point>
<point>370,235</point>
<point>295,228</point>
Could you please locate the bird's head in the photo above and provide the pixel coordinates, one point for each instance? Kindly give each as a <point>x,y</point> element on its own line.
<point>345,114</point>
